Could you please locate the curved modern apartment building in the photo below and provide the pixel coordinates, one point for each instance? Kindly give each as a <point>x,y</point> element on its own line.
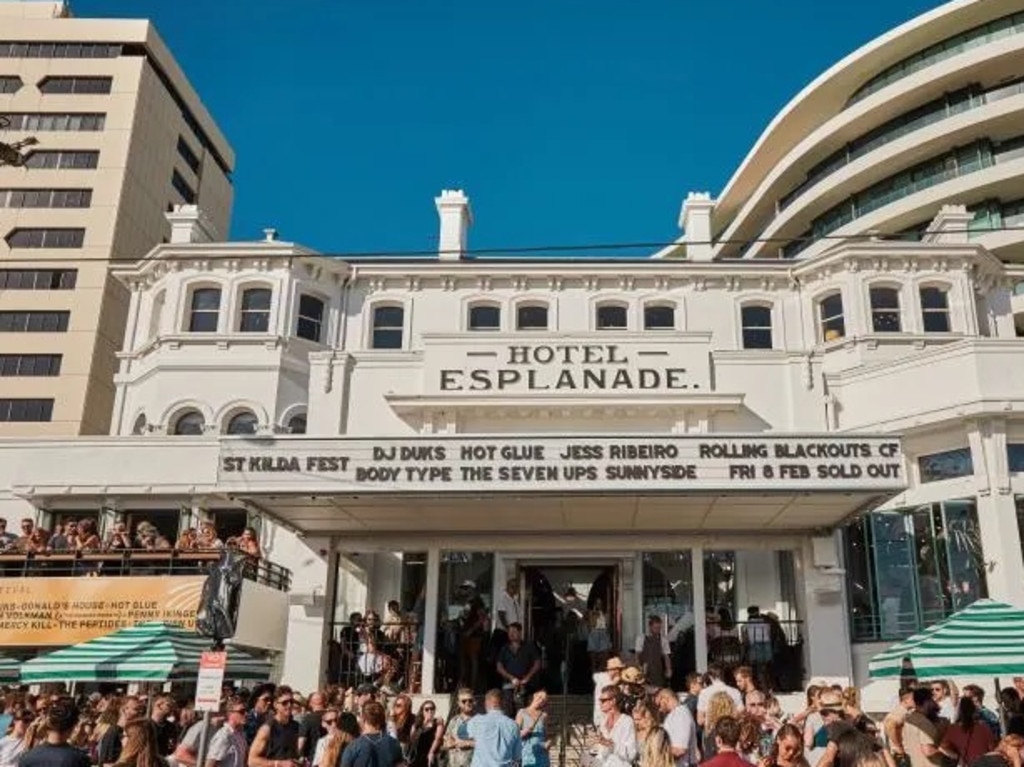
<point>930,113</point>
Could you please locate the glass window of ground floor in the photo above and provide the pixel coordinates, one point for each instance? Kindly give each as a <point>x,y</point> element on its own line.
<point>908,568</point>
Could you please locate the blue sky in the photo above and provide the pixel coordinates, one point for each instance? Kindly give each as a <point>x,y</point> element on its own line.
<point>567,122</point>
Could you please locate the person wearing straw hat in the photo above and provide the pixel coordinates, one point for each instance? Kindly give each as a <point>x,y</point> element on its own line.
<point>612,675</point>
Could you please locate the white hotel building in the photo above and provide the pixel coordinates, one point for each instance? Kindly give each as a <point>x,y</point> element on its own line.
<point>832,430</point>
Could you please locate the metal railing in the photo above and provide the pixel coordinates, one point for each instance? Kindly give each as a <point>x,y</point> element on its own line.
<point>774,649</point>
<point>135,562</point>
<point>388,656</point>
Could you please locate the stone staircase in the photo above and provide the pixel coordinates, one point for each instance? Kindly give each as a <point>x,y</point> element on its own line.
<point>570,722</point>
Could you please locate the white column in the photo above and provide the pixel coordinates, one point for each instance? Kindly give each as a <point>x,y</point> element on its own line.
<point>330,608</point>
<point>1000,546</point>
<point>826,621</point>
<point>700,624</point>
<point>430,622</point>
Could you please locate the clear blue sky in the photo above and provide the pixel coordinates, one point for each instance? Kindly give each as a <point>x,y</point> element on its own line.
<point>567,122</point>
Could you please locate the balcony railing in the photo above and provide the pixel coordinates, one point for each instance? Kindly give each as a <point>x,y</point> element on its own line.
<point>775,650</point>
<point>129,562</point>
<point>392,661</point>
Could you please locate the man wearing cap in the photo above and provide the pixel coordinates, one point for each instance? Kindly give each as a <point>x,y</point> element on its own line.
<point>612,675</point>
<point>510,610</point>
<point>654,654</point>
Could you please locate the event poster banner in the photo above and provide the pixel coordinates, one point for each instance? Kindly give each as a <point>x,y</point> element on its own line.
<point>64,611</point>
<point>554,464</point>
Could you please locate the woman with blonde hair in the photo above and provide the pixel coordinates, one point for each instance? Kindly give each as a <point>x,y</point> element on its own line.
<point>139,748</point>
<point>645,720</point>
<point>720,706</point>
<point>342,729</point>
<point>657,750</point>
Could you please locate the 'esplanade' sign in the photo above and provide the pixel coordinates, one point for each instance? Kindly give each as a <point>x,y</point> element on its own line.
<point>576,463</point>
<point>603,362</point>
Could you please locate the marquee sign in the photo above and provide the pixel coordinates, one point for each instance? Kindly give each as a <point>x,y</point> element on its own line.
<point>518,365</point>
<point>578,463</point>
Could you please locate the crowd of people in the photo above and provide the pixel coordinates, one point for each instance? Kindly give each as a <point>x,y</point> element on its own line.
<point>74,535</point>
<point>720,720</point>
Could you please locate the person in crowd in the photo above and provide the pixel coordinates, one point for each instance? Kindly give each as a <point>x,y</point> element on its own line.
<point>427,736</point>
<point>968,738</point>
<point>892,724</point>
<point>599,641</point>
<point>186,753</point>
<point>617,736</point>
<point>365,694</point>
<point>986,715</point>
<point>654,654</point>
<point>61,717</point>
<point>88,537</point>
<point>787,749</point>
<point>518,664</point>
<point>645,722</point>
<point>656,750</point>
<point>374,747</point>
<point>457,742</point>
<point>921,731</point>
<point>745,681</point>
<point>510,610</point>
<point>944,695</point>
<point>720,706</point>
<point>118,539</point>
<point>7,539</point>
<point>612,675</point>
<point>108,750</point>
<point>473,626</point>
<point>331,729</point>
<point>277,740</point>
<point>495,736</point>
<point>12,744</point>
<point>401,722</point>
<point>340,733</point>
<point>208,538</point>
<point>373,664</point>
<point>141,745</point>
<point>394,623</point>
<point>311,728</point>
<point>164,725</point>
<point>681,729</point>
<point>261,704</point>
<point>187,540</point>
<point>693,684</point>
<point>228,746</point>
<point>66,537</point>
<point>727,736</point>
<point>1013,711</point>
<point>248,543</point>
<point>762,725</point>
<point>715,675</point>
<point>532,723</point>
<point>757,642</point>
<point>1006,754</point>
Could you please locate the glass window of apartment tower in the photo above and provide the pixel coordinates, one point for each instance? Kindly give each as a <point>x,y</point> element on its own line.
<point>668,592</point>
<point>907,569</point>
<point>484,317</point>
<point>935,310</point>
<point>757,326</point>
<point>204,311</point>
<point>255,313</point>
<point>388,327</point>
<point>885,310</point>
<point>659,317</point>
<point>830,317</point>
<point>464,606</point>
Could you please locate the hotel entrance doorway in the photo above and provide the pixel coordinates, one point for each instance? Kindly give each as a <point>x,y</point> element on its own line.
<point>566,608</point>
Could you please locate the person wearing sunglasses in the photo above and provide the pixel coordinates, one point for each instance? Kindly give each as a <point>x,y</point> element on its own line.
<point>456,737</point>
<point>228,747</point>
<point>427,736</point>
<point>277,740</point>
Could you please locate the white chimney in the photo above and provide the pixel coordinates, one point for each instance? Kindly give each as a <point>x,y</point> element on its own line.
<point>188,224</point>
<point>456,218</point>
<point>695,221</point>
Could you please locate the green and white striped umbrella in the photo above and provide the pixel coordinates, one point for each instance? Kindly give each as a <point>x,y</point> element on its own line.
<point>985,639</point>
<point>146,652</point>
<point>9,670</point>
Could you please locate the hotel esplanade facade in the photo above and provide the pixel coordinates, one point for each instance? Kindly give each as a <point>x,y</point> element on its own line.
<point>813,402</point>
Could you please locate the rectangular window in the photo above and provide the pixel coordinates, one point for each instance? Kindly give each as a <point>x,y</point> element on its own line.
<point>10,84</point>
<point>1015,456</point>
<point>26,410</point>
<point>54,121</point>
<point>757,327</point>
<point>38,279</point>
<point>311,318</point>
<point>45,198</point>
<point>388,327</point>
<point>830,317</point>
<point>935,310</point>
<point>76,85</point>
<point>34,322</point>
<point>885,310</point>
<point>186,154</point>
<point>205,311</point>
<point>659,317</point>
<point>949,464</point>
<point>12,365</point>
<point>63,159</point>
<point>255,312</point>
<point>34,50</point>
<point>46,238</point>
<point>182,187</point>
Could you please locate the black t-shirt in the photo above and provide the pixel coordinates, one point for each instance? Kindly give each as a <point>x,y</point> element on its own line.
<point>991,760</point>
<point>48,755</point>
<point>518,664</point>
<point>108,750</point>
<point>166,737</point>
<point>311,728</point>
<point>377,750</point>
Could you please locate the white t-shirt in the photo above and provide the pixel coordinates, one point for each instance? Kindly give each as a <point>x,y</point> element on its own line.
<point>601,680</point>
<point>228,748</point>
<point>682,732</point>
<point>512,608</point>
<point>716,687</point>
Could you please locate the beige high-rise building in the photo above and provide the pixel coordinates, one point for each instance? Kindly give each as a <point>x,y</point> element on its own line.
<point>122,139</point>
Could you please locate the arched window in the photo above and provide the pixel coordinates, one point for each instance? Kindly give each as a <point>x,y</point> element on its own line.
<point>756,321</point>
<point>141,425</point>
<point>484,317</point>
<point>243,423</point>
<point>156,313</point>
<point>885,310</point>
<point>311,318</point>
<point>611,317</point>
<point>659,317</point>
<point>297,424</point>
<point>831,325</point>
<point>254,315</point>
<point>935,310</point>
<point>190,423</point>
<point>204,310</point>
<point>388,327</point>
<point>532,317</point>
